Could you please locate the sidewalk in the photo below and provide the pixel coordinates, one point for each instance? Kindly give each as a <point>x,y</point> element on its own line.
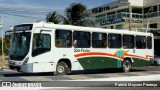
<point>3,64</point>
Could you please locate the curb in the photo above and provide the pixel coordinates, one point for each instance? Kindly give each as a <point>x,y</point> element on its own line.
<point>3,67</point>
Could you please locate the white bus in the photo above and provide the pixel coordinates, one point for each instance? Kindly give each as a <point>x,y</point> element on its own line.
<point>47,47</point>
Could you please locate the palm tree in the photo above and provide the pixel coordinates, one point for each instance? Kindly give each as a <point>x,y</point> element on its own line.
<point>76,15</point>
<point>54,17</point>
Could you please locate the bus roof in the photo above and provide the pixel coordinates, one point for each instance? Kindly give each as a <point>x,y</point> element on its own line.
<point>82,28</point>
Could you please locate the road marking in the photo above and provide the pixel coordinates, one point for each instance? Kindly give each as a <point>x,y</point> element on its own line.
<point>114,75</point>
<point>59,78</point>
<point>78,77</point>
<point>36,78</point>
<point>130,78</point>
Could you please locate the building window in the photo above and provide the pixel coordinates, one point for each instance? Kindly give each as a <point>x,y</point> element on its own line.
<point>81,39</point>
<point>128,41</point>
<point>140,42</point>
<point>114,40</point>
<point>100,18</point>
<point>99,40</point>
<point>119,26</point>
<point>63,38</point>
<point>150,9</point>
<point>153,25</point>
<point>122,10</point>
<point>136,10</point>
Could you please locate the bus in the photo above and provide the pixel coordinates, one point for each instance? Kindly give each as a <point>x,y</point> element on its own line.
<point>60,49</point>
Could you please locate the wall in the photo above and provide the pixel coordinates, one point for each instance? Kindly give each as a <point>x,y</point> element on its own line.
<point>136,2</point>
<point>150,2</point>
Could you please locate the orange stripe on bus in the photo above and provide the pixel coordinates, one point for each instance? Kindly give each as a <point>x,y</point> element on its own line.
<point>107,54</point>
<point>149,56</point>
<point>93,53</point>
<point>135,56</point>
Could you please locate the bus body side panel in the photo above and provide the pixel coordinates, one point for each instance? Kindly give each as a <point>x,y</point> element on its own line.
<point>144,57</point>
<point>93,59</point>
<point>99,59</point>
<point>139,59</point>
<point>66,54</point>
<point>111,58</point>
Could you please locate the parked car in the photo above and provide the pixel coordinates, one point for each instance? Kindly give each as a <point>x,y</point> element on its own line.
<point>156,60</point>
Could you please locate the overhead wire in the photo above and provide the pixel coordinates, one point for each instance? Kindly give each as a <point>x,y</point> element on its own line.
<point>25,13</point>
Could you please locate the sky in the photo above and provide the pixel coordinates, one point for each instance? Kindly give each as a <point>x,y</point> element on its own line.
<point>15,12</point>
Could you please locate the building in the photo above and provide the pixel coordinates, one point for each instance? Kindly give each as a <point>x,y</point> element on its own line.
<point>117,14</point>
<point>130,15</point>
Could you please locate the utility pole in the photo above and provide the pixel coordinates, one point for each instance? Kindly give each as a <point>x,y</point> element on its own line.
<point>1,26</point>
<point>129,7</point>
<point>129,10</point>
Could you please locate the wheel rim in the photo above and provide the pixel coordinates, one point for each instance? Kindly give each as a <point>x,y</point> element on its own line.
<point>60,69</point>
<point>127,66</point>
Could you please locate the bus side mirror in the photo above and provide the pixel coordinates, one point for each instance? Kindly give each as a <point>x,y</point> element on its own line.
<point>7,37</point>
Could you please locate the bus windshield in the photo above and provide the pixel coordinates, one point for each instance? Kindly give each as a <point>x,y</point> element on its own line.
<point>19,45</point>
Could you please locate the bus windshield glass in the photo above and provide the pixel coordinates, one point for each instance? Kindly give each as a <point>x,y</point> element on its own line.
<point>19,45</point>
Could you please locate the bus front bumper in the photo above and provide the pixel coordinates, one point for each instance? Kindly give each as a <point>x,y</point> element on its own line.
<point>16,68</point>
<point>14,65</point>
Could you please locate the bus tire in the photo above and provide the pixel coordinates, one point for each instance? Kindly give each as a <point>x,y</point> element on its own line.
<point>62,68</point>
<point>126,66</point>
<point>155,63</point>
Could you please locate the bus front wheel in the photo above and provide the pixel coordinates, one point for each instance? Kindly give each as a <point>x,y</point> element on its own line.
<point>126,65</point>
<point>62,68</point>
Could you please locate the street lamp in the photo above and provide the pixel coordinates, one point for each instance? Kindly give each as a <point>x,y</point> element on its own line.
<point>129,8</point>
<point>1,26</point>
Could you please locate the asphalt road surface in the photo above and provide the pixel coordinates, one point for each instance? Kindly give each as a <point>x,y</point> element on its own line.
<point>81,78</point>
<point>9,75</point>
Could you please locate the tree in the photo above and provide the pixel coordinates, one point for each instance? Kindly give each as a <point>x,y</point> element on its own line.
<point>54,17</point>
<point>76,15</point>
<point>6,44</point>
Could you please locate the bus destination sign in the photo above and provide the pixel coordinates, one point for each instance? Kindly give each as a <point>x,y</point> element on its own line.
<point>23,27</point>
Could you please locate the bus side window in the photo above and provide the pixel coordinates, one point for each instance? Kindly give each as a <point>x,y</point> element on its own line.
<point>41,44</point>
<point>149,42</point>
<point>114,40</point>
<point>63,38</point>
<point>128,41</point>
<point>140,42</point>
<point>99,40</point>
<point>81,39</point>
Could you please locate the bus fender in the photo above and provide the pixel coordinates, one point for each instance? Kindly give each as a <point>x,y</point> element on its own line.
<point>129,58</point>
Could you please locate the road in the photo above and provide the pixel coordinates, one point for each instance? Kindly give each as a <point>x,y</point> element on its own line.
<point>9,75</point>
<point>91,78</point>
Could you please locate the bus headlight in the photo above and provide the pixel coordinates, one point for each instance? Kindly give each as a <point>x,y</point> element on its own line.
<point>26,60</point>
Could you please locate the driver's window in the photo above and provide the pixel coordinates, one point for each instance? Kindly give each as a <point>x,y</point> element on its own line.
<point>41,44</point>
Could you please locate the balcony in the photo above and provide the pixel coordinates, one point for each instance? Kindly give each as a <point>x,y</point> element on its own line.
<point>151,15</point>
<point>119,17</point>
<point>155,31</point>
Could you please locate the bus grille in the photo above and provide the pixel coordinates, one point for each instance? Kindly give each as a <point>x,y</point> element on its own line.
<point>18,58</point>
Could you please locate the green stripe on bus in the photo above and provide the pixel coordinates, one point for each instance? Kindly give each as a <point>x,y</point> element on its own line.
<point>99,62</point>
<point>108,62</point>
<point>140,62</point>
